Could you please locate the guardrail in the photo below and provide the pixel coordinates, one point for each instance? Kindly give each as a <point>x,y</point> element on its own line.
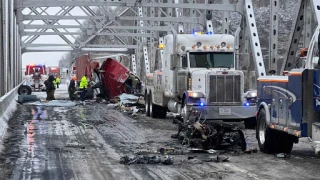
<point>7,107</point>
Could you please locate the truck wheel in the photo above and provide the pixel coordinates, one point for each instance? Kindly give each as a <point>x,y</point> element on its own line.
<point>154,109</point>
<point>24,90</point>
<point>250,123</point>
<point>267,138</point>
<point>147,103</point>
<point>162,112</point>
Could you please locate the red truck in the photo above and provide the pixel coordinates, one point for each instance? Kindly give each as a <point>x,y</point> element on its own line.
<point>113,78</point>
<point>55,71</point>
<point>117,79</point>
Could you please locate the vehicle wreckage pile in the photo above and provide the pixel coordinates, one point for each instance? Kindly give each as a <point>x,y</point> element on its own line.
<point>122,89</point>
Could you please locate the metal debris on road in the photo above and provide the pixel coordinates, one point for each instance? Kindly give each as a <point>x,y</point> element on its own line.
<point>128,99</point>
<point>217,159</point>
<point>171,151</point>
<point>282,155</point>
<point>144,159</point>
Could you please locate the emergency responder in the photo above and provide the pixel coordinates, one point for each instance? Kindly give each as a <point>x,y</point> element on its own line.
<point>58,81</point>
<point>72,88</point>
<point>50,87</point>
<point>54,82</point>
<point>83,87</point>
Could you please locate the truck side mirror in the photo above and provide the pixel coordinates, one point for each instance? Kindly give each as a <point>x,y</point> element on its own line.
<point>173,61</point>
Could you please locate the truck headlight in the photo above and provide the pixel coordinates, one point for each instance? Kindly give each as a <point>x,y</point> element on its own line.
<point>251,94</point>
<point>251,97</point>
<point>195,94</point>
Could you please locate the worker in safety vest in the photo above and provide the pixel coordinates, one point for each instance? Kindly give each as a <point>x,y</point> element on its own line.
<point>58,81</point>
<point>54,82</point>
<point>83,87</point>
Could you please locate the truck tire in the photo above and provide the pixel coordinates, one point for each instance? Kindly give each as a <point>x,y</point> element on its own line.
<point>267,138</point>
<point>163,112</point>
<point>250,123</point>
<point>154,109</point>
<point>24,90</point>
<point>147,104</point>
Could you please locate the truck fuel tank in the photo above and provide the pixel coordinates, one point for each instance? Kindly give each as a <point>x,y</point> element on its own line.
<point>173,106</point>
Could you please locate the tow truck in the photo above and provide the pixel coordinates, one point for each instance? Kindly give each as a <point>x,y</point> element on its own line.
<point>288,104</point>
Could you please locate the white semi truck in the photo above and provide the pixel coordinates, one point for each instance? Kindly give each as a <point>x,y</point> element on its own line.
<point>198,80</point>
<point>198,73</point>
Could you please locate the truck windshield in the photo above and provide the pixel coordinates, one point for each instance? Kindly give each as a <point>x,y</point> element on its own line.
<point>211,59</point>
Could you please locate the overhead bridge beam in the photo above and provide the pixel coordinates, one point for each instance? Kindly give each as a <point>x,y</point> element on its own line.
<point>128,18</point>
<point>150,28</point>
<point>106,50</point>
<point>25,33</point>
<point>217,7</point>
<point>79,45</point>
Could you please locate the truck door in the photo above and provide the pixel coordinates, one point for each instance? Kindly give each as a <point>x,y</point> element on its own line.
<point>282,102</point>
<point>280,99</point>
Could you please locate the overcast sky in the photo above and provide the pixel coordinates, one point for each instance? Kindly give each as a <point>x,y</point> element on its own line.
<point>49,58</point>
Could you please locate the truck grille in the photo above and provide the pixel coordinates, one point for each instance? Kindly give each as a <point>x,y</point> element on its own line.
<point>225,89</point>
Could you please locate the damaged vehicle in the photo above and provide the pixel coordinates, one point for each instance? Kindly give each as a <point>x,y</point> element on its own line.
<point>115,79</point>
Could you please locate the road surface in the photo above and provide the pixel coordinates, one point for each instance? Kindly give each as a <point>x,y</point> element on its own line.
<point>87,142</point>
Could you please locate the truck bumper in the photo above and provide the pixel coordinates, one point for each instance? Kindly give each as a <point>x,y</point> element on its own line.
<point>226,112</point>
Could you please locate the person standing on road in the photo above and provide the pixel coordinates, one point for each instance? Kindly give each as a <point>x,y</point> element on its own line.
<point>46,83</point>
<point>50,88</point>
<point>83,87</point>
<point>72,88</point>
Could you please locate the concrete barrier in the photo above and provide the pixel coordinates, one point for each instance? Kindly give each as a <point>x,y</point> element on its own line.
<point>8,105</point>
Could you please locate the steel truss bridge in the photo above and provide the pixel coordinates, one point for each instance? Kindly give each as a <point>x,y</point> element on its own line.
<point>145,22</point>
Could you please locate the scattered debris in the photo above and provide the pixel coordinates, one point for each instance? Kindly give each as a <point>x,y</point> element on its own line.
<point>172,115</point>
<point>128,99</point>
<point>211,135</point>
<point>144,159</point>
<point>217,159</point>
<point>282,155</point>
<point>210,151</point>
<point>171,151</point>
